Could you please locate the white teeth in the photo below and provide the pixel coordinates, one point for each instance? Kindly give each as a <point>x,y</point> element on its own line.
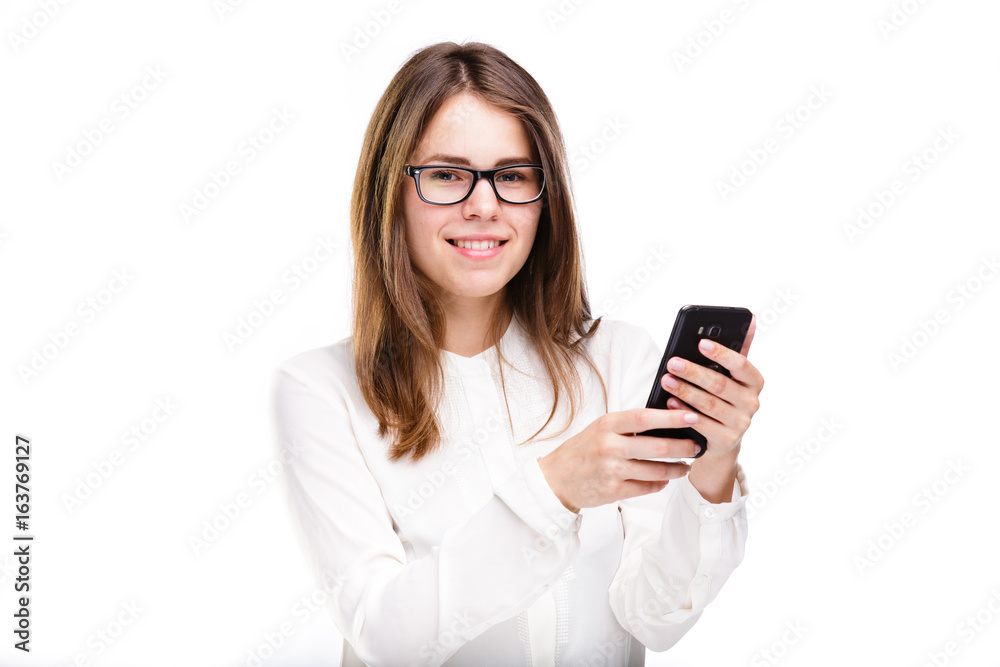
<point>476,245</point>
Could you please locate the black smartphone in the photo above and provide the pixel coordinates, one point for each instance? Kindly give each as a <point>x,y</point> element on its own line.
<point>724,325</point>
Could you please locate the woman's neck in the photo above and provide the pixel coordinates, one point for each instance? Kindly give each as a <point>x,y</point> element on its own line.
<point>467,327</point>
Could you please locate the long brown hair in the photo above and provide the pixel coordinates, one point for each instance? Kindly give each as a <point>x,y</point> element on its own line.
<point>398,325</point>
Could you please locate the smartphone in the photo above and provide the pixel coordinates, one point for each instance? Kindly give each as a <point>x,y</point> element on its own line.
<point>724,325</point>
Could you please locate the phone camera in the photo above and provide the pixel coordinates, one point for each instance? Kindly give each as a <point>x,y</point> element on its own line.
<point>714,331</point>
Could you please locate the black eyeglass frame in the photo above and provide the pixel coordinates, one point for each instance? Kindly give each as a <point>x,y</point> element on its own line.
<point>488,174</point>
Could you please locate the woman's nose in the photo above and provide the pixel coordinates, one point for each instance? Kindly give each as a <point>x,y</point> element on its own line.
<point>483,201</point>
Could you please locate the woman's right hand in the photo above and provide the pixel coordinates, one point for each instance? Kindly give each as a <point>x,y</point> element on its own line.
<point>606,463</point>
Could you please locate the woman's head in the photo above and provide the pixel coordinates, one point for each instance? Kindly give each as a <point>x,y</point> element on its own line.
<point>434,95</point>
<point>473,103</point>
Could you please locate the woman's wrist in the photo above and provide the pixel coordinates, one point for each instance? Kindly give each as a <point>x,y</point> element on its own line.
<point>549,479</point>
<point>715,476</point>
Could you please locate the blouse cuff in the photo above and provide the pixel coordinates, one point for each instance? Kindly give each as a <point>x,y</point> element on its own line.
<point>715,512</point>
<point>529,495</point>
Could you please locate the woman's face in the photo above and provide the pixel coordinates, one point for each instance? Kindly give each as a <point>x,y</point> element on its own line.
<point>468,132</point>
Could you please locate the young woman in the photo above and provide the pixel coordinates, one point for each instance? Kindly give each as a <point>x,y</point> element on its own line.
<point>464,473</point>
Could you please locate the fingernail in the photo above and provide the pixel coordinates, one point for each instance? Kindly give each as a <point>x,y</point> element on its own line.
<point>706,345</point>
<point>673,403</point>
<point>675,364</point>
<point>690,418</point>
<point>670,382</point>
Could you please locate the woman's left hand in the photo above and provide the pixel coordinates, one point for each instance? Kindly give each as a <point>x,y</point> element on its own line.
<point>727,403</point>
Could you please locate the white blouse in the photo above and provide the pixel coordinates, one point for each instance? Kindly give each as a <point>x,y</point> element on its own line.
<point>467,557</point>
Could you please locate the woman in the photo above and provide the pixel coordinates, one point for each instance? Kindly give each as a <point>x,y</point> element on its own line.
<point>465,478</point>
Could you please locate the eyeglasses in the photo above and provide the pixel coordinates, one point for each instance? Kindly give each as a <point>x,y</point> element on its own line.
<point>444,185</point>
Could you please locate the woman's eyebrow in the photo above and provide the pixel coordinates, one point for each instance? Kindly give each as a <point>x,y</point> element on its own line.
<point>520,159</point>
<point>441,158</point>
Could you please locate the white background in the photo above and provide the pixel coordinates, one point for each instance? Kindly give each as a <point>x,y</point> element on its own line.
<point>662,134</point>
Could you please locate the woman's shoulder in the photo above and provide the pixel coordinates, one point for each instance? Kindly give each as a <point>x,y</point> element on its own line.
<point>618,335</point>
<point>328,367</point>
<point>618,344</point>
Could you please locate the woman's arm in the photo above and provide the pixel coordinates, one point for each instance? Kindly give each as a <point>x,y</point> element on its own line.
<point>395,612</point>
<point>679,550</point>
<point>682,545</point>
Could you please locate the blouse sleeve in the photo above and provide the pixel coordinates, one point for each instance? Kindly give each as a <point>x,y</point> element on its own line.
<point>395,612</point>
<point>679,549</point>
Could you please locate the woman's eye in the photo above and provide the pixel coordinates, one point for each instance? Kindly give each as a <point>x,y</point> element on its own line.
<point>510,176</point>
<point>444,175</point>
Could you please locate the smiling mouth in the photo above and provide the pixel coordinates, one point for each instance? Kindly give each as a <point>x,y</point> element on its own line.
<point>476,245</point>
